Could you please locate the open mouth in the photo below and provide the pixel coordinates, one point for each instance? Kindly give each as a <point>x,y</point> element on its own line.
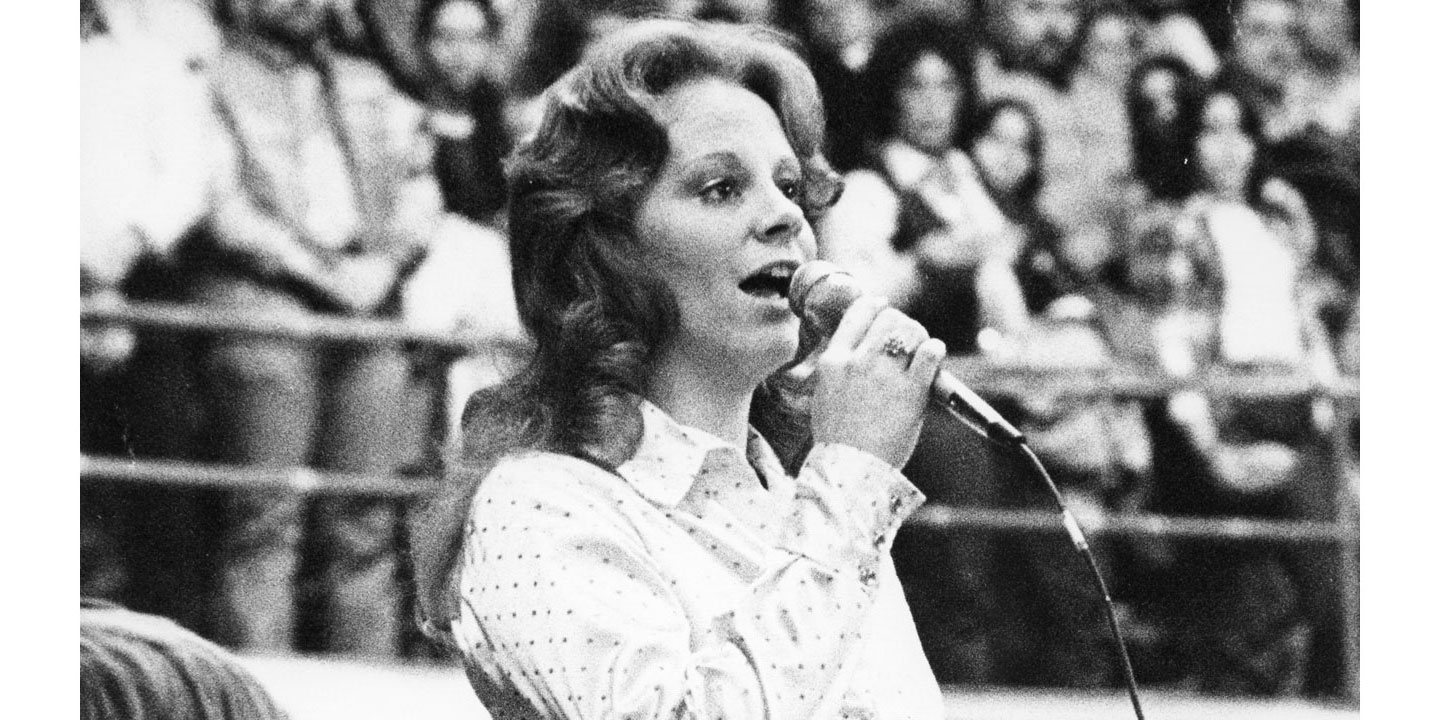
<point>771,281</point>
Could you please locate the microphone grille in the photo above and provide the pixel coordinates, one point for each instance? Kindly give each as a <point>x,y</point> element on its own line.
<point>804,280</point>
<point>820,293</point>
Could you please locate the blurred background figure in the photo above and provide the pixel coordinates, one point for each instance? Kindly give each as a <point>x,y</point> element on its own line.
<point>837,37</point>
<point>917,225</point>
<point>1030,51</point>
<point>154,169</point>
<point>1169,27</point>
<point>135,666</point>
<point>1160,99</point>
<point>1094,445</point>
<point>1242,619</point>
<point>333,207</point>
<point>916,222</point>
<point>459,44</point>
<point>1166,184</point>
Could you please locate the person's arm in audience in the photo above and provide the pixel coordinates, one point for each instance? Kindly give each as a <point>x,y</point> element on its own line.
<point>856,235</point>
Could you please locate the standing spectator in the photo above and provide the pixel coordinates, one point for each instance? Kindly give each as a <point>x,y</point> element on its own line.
<point>333,208</point>
<point>1030,51</point>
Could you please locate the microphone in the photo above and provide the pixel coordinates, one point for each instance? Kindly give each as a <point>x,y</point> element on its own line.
<point>821,292</point>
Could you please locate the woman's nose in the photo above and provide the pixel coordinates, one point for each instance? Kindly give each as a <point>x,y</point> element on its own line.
<point>781,220</point>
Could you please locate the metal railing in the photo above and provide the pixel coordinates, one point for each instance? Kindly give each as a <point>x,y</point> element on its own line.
<point>1110,380</point>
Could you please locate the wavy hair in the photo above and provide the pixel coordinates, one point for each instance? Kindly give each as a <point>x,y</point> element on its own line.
<point>135,666</point>
<point>895,54</point>
<point>583,291</point>
<point>1029,188</point>
<point>1250,124</point>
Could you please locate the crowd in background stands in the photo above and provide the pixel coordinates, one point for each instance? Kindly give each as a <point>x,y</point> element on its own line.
<point>1170,184</point>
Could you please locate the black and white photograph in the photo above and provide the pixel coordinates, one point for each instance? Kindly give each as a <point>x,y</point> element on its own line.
<point>586,359</point>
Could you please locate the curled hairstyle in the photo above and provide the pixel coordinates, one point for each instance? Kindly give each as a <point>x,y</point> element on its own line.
<point>582,288</point>
<point>893,58</point>
<point>144,667</point>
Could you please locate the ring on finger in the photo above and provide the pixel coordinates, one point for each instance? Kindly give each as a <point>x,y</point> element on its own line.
<point>896,347</point>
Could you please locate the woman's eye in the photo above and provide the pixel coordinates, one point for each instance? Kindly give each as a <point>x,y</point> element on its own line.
<point>720,191</point>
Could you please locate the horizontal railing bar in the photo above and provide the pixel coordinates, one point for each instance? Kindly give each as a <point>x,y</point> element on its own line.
<point>1131,523</point>
<point>1120,380</point>
<point>984,375</point>
<point>299,480</point>
<point>309,482</point>
<point>216,320</point>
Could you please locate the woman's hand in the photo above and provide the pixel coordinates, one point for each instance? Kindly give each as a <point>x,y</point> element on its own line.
<point>873,380</point>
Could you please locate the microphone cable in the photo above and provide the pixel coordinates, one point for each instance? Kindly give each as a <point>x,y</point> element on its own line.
<point>1082,546</point>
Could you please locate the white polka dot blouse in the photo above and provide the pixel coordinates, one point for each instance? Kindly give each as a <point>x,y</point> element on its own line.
<point>682,586</point>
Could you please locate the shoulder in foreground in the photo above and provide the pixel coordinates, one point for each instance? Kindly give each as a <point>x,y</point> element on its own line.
<point>535,474</point>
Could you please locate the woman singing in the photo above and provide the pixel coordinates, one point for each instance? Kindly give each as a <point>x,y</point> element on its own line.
<point>660,523</point>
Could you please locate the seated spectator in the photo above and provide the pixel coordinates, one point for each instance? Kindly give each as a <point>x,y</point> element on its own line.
<point>332,209</point>
<point>1008,148</point>
<point>917,226</point>
<point>1220,291</point>
<point>916,223</point>
<point>1030,53</point>
<point>1258,236</point>
<point>135,666</point>
<point>1095,447</point>
<point>1160,99</point>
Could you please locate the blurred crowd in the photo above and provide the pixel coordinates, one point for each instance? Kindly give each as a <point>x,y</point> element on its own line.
<point>1168,184</point>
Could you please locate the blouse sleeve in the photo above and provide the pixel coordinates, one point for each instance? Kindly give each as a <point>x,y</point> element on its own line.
<point>567,614</point>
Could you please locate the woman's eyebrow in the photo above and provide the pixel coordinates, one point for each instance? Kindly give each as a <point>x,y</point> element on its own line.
<point>716,159</point>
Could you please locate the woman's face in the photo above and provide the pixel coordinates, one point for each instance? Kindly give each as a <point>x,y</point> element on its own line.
<point>720,223</point>
<point>458,44</point>
<point>927,104</point>
<point>1225,152</point>
<point>1003,150</point>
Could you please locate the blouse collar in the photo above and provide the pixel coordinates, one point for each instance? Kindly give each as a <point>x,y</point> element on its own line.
<point>670,456</point>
